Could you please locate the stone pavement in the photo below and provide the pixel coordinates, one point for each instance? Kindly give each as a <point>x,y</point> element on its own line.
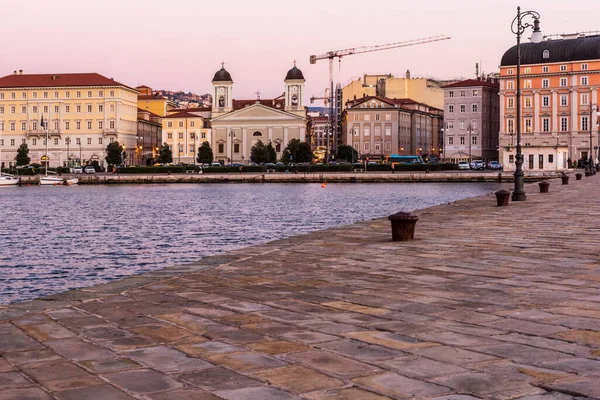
<point>486,303</point>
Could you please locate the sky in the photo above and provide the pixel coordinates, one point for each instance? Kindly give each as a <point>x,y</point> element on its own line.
<point>180,45</point>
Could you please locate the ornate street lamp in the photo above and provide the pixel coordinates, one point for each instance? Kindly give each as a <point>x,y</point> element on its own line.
<point>518,28</point>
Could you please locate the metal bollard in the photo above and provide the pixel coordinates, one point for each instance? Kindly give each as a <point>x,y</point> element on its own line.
<point>544,186</point>
<point>565,179</point>
<point>403,226</point>
<point>578,176</point>
<point>502,197</point>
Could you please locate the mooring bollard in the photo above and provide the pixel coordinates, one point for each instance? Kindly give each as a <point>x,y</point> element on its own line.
<point>578,176</point>
<point>544,186</point>
<point>565,179</point>
<point>588,173</point>
<point>502,197</point>
<point>403,226</point>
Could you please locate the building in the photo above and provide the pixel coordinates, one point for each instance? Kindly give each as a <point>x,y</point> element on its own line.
<point>320,126</point>
<point>421,90</point>
<point>83,113</point>
<point>472,120</point>
<point>237,125</point>
<point>560,78</point>
<point>377,127</point>
<point>184,131</point>
<point>148,139</point>
<point>154,102</point>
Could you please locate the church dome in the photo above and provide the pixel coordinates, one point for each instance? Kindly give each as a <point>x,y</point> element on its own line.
<point>222,75</point>
<point>555,51</point>
<point>294,73</point>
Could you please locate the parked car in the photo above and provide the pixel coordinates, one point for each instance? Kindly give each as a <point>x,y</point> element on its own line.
<point>463,165</point>
<point>89,170</point>
<point>216,164</point>
<point>77,170</point>
<point>477,164</point>
<point>495,165</point>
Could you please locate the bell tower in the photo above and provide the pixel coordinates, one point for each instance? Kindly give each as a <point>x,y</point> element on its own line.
<point>294,91</point>
<point>222,92</point>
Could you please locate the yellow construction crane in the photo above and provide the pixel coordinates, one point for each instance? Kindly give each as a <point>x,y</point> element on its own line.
<point>330,55</point>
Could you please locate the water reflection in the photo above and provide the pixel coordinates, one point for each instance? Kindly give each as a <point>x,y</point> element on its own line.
<point>58,238</point>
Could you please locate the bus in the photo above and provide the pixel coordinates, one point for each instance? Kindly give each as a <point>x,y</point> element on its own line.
<point>397,159</point>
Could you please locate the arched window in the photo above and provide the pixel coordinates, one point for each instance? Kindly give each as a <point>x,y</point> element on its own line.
<point>546,54</point>
<point>257,133</point>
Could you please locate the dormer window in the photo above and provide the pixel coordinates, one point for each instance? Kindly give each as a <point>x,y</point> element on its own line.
<point>546,54</point>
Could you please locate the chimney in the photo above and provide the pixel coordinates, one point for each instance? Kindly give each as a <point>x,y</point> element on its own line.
<point>408,74</point>
<point>20,72</point>
<point>15,72</point>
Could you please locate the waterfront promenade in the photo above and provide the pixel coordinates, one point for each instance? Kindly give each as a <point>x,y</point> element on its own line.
<point>486,303</point>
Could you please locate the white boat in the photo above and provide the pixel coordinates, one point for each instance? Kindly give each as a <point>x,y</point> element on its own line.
<point>71,181</point>
<point>52,180</point>
<point>8,180</point>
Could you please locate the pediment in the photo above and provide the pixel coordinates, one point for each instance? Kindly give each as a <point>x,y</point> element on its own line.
<point>257,112</point>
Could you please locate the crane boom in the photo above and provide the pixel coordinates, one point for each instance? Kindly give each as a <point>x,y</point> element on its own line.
<point>368,49</point>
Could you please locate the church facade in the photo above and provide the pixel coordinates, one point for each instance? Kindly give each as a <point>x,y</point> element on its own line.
<point>237,125</point>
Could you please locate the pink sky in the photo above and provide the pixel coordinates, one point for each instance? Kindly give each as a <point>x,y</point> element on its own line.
<point>180,45</point>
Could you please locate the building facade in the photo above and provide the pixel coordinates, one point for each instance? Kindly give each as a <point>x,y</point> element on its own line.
<point>185,131</point>
<point>377,127</point>
<point>148,139</point>
<point>82,114</point>
<point>471,120</point>
<point>560,79</point>
<point>153,102</point>
<point>237,125</point>
<point>320,127</point>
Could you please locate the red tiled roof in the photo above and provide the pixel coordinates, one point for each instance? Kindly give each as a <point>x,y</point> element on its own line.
<point>367,98</point>
<point>239,104</point>
<point>196,109</point>
<point>57,80</point>
<point>472,83</point>
<point>150,97</point>
<point>182,114</point>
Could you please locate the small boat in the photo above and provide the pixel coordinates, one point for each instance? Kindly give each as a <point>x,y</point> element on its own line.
<point>8,180</point>
<point>70,181</point>
<point>50,180</point>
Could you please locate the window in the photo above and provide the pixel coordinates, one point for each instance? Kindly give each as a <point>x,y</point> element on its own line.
<point>463,108</point>
<point>67,95</point>
<point>89,108</point>
<point>45,95</point>
<point>34,95</point>
<point>388,117</point>
<point>112,140</point>
<point>221,148</point>
<point>112,108</point>
<point>78,141</point>
<point>56,109</point>
<point>101,93</point>
<point>550,158</point>
<point>111,124</point>
<point>510,102</point>
<point>78,109</point>
<point>563,68</point>
<point>367,117</point>
<point>180,135</point>
<point>367,146</point>
<point>377,131</point>
<point>545,83</point>
<point>545,69</point>
<point>56,125</point>
<point>1,109</point>
<point>564,124</point>
<point>204,137</point>
<point>192,124</point>
<point>450,140</point>
<point>67,109</point>
<point>528,125</point>
<point>169,124</point>
<point>89,140</point>
<point>475,93</point>
<point>528,84</point>
<point>99,140</point>
<point>100,124</point>
<point>377,147</point>
<point>12,126</point>
<point>388,131</point>
<point>451,93</point>
<point>234,150</point>
<point>23,126</point>
<point>78,94</point>
<point>462,124</point>
<point>510,71</point>
<point>527,70</point>
<point>56,95</point>
<point>367,131</point>
<point>511,158</point>
<point>510,85</point>
<point>277,146</point>
<point>564,100</point>
<point>388,146</point>
<point>89,93</point>
<point>462,140</point>
<point>23,109</point>
<point>462,93</point>
<point>181,124</point>
<point>546,54</point>
<point>100,108</point>
<point>473,140</point>
<point>584,99</point>
<point>34,142</point>
<point>545,124</point>
<point>450,125</point>
<point>34,125</point>
<point>355,131</point>
<point>67,125</point>
<point>474,108</point>
<point>112,93</point>
<point>376,117</point>
<point>584,81</point>
<point>24,95</point>
<point>450,108</point>
<point>584,66</point>
<point>510,128</point>
<point>528,101</point>
<point>55,141</point>
<point>78,125</point>
<point>13,109</point>
<point>12,142</point>
<point>170,135</point>
<point>545,101</point>
<point>89,125</point>
<point>192,135</point>
<point>585,123</point>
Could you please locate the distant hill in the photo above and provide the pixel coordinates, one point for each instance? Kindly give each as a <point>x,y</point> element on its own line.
<point>185,100</point>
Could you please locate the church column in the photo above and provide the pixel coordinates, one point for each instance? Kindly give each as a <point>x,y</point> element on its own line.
<point>269,134</point>
<point>285,136</point>
<point>245,153</point>
<point>303,133</point>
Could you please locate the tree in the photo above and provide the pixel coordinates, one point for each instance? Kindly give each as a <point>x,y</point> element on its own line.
<point>205,154</point>
<point>299,152</point>
<point>23,155</point>
<point>114,153</point>
<point>259,153</point>
<point>347,153</point>
<point>271,155</point>
<point>165,155</point>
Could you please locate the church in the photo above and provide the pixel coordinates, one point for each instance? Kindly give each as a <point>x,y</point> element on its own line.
<point>237,125</point>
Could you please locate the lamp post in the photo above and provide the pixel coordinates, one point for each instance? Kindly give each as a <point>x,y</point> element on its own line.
<point>518,28</point>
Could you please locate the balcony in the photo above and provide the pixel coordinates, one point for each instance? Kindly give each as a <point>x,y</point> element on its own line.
<point>112,131</point>
<point>42,133</point>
